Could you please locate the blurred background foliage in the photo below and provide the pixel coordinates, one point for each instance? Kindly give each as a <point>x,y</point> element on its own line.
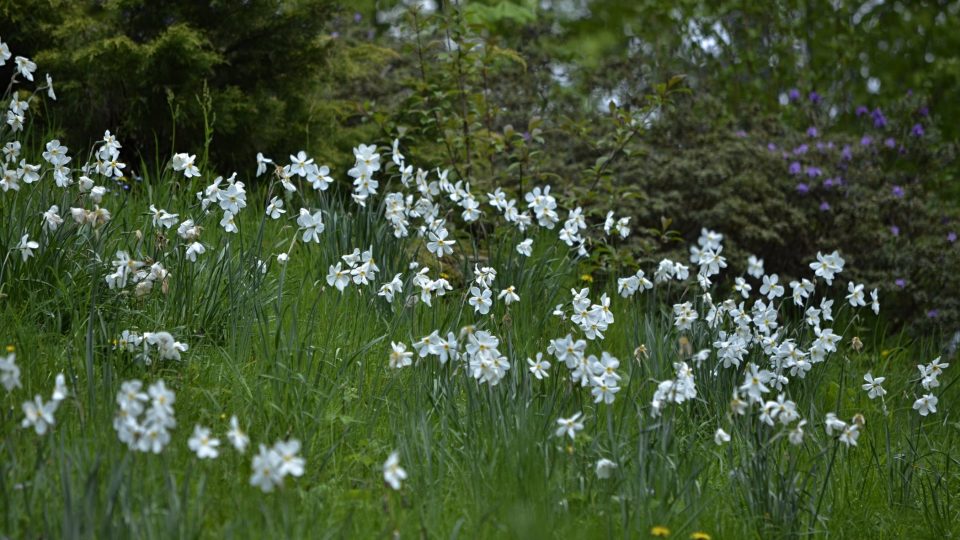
<point>791,126</point>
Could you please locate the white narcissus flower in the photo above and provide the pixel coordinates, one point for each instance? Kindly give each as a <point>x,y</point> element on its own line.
<point>26,247</point>
<point>25,67</point>
<point>393,474</point>
<point>539,367</point>
<point>275,208</point>
<point>262,163</point>
<point>162,218</point>
<point>603,390</point>
<point>509,295</point>
<point>319,177</point>
<point>38,414</point>
<point>203,444</point>
<point>399,355</point>
<point>228,224</point>
<point>52,219</point>
<point>856,297</point>
<point>338,277</point>
<point>850,434</point>
<point>50,93</point>
<point>480,300</point>
<point>311,224</point>
<point>771,287</point>
<point>605,468</point>
<point>438,244</point>
<point>569,426</point>
<point>266,469</point>
<point>60,391</point>
<point>185,162</point>
<point>195,249</point>
<point>796,434</point>
<point>290,462</point>
<point>525,248</point>
<point>9,372</point>
<point>299,164</point>
<point>721,437</point>
<point>872,386</point>
<point>926,404</point>
<point>236,436</point>
<point>28,173</point>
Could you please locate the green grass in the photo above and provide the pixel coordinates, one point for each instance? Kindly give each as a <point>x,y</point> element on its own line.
<point>295,358</point>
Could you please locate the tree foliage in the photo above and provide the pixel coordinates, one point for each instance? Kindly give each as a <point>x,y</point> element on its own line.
<point>165,72</point>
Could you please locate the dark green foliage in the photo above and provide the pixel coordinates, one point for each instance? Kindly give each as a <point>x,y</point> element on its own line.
<point>139,67</point>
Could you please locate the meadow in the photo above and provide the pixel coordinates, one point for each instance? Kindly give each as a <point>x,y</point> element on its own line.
<point>296,351</point>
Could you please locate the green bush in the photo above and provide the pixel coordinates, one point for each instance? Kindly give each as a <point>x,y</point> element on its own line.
<point>161,73</point>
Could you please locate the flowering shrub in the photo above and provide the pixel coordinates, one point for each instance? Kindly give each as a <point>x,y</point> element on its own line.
<point>778,191</point>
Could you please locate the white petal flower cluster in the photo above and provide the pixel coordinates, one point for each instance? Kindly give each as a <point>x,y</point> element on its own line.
<point>360,269</point>
<point>161,344</point>
<point>144,419</point>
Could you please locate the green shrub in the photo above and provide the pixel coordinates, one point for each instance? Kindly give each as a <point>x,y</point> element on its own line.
<point>147,70</point>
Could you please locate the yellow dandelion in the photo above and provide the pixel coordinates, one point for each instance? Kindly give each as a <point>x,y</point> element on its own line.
<point>586,277</point>
<point>660,531</point>
<point>700,535</point>
<point>11,348</point>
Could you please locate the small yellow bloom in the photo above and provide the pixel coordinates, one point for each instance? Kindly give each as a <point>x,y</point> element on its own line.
<point>699,535</point>
<point>11,348</point>
<point>444,275</point>
<point>885,353</point>
<point>660,531</point>
<point>586,277</point>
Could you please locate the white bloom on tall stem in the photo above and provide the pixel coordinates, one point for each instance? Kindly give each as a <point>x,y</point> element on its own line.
<point>236,436</point>
<point>872,386</point>
<point>569,426</point>
<point>311,224</point>
<point>26,247</point>
<point>25,67</point>
<point>926,404</point>
<point>266,469</point>
<point>203,444</point>
<point>509,295</point>
<point>721,437</point>
<point>38,414</point>
<point>480,300</point>
<point>605,468</point>
<point>9,372</point>
<point>525,248</point>
<point>393,474</point>
<point>539,367</point>
<point>290,462</point>
<point>399,355</point>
